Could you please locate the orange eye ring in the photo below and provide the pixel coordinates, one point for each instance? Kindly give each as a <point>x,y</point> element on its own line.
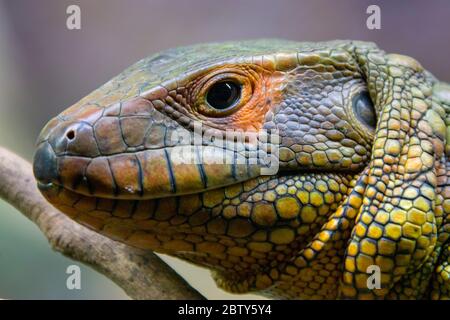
<point>240,93</point>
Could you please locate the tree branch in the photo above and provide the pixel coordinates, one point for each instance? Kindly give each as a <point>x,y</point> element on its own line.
<point>142,274</point>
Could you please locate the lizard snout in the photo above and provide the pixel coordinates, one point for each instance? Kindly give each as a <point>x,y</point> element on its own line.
<point>44,164</point>
<point>64,147</point>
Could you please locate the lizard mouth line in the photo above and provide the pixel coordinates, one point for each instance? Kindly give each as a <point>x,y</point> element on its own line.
<point>45,186</point>
<point>153,174</point>
<point>147,174</point>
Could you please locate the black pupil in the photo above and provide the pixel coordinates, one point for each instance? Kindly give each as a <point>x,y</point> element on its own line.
<point>223,95</point>
<point>363,107</point>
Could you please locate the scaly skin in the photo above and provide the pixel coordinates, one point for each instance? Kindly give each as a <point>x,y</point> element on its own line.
<point>346,196</point>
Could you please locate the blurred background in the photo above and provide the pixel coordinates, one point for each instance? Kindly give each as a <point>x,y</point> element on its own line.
<point>44,68</point>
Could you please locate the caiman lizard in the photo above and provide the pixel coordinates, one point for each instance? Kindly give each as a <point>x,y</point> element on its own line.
<point>362,186</point>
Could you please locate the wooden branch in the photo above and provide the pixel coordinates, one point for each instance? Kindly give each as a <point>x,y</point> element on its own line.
<point>142,274</point>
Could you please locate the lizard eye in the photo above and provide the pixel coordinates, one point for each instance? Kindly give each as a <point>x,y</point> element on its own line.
<point>364,109</point>
<point>223,94</point>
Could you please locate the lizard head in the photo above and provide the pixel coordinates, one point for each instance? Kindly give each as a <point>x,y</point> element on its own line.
<point>285,168</point>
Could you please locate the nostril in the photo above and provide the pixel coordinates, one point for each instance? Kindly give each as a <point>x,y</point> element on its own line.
<point>70,134</point>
